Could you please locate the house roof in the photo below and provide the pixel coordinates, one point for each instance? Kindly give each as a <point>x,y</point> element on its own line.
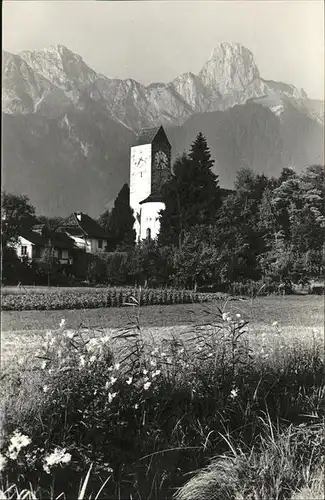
<point>32,236</point>
<point>62,240</point>
<point>152,198</point>
<point>58,240</point>
<point>85,226</point>
<point>147,135</point>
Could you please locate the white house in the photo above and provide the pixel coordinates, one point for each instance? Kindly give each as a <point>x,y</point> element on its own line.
<point>31,244</point>
<point>86,233</point>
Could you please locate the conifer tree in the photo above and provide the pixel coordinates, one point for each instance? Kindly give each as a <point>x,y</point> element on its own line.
<point>119,222</point>
<point>192,196</point>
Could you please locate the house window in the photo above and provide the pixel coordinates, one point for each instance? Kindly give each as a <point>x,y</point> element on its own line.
<point>148,233</point>
<point>23,250</point>
<point>100,243</point>
<point>65,254</point>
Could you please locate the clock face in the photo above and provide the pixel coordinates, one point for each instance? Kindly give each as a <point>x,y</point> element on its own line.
<point>161,160</point>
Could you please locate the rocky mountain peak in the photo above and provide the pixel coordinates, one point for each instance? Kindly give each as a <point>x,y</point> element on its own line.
<point>231,67</point>
<point>60,66</point>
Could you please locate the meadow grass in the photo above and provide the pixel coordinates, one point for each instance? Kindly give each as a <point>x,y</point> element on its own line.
<point>140,412</point>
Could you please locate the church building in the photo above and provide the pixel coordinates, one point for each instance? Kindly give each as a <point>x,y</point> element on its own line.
<point>150,167</point>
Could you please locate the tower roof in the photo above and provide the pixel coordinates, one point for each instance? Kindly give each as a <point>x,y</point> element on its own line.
<point>148,135</point>
<point>155,197</point>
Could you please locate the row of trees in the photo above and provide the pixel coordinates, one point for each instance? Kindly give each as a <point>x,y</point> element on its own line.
<point>269,229</point>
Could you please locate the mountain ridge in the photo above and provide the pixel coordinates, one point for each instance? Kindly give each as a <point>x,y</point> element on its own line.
<point>229,77</point>
<point>68,129</point>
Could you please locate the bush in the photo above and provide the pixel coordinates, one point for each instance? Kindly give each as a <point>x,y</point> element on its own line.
<point>254,288</point>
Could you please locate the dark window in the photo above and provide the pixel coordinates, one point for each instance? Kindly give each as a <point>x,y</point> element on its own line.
<point>23,251</point>
<point>148,233</point>
<point>100,243</point>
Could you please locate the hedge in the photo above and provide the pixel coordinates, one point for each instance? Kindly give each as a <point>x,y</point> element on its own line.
<point>111,297</point>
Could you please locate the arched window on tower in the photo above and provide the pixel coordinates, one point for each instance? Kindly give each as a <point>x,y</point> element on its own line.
<point>148,233</point>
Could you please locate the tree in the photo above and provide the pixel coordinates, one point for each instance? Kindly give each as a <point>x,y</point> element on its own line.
<point>191,196</point>
<point>51,224</point>
<point>237,239</point>
<point>196,262</point>
<point>48,261</point>
<point>119,222</point>
<point>16,214</point>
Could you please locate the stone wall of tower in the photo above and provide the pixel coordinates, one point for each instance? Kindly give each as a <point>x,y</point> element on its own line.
<point>140,179</point>
<point>150,219</point>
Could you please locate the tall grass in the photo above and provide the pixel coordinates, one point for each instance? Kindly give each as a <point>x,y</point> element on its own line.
<point>140,416</point>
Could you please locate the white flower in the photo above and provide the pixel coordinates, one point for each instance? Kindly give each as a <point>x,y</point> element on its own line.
<point>157,372</point>
<point>17,442</point>
<point>275,323</point>
<point>147,385</point>
<point>117,366</point>
<point>225,316</point>
<point>234,393</point>
<point>163,354</point>
<point>92,359</point>
<point>3,462</point>
<point>229,318</point>
<point>146,379</point>
<point>66,458</point>
<point>62,323</point>
<point>45,388</point>
<point>113,380</point>
<point>129,380</point>
<point>210,355</point>
<point>238,315</point>
<point>56,458</point>
<point>110,368</point>
<point>169,360</point>
<point>70,334</point>
<point>153,362</point>
<point>136,406</point>
<point>144,372</point>
<point>92,344</point>
<point>43,365</point>
<point>111,396</point>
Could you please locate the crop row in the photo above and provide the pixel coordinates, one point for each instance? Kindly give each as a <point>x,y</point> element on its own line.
<point>113,297</point>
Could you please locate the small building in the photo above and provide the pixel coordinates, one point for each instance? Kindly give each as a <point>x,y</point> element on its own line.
<point>32,243</point>
<point>86,233</point>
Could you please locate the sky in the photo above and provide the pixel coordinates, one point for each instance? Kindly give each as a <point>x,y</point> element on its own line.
<point>155,41</point>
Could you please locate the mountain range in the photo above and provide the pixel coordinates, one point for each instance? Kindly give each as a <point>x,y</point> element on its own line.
<point>67,130</point>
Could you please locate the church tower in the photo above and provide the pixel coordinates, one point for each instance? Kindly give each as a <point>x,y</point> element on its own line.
<point>150,167</point>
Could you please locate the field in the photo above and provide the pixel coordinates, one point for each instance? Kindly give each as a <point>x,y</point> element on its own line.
<point>233,391</point>
<point>300,317</point>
